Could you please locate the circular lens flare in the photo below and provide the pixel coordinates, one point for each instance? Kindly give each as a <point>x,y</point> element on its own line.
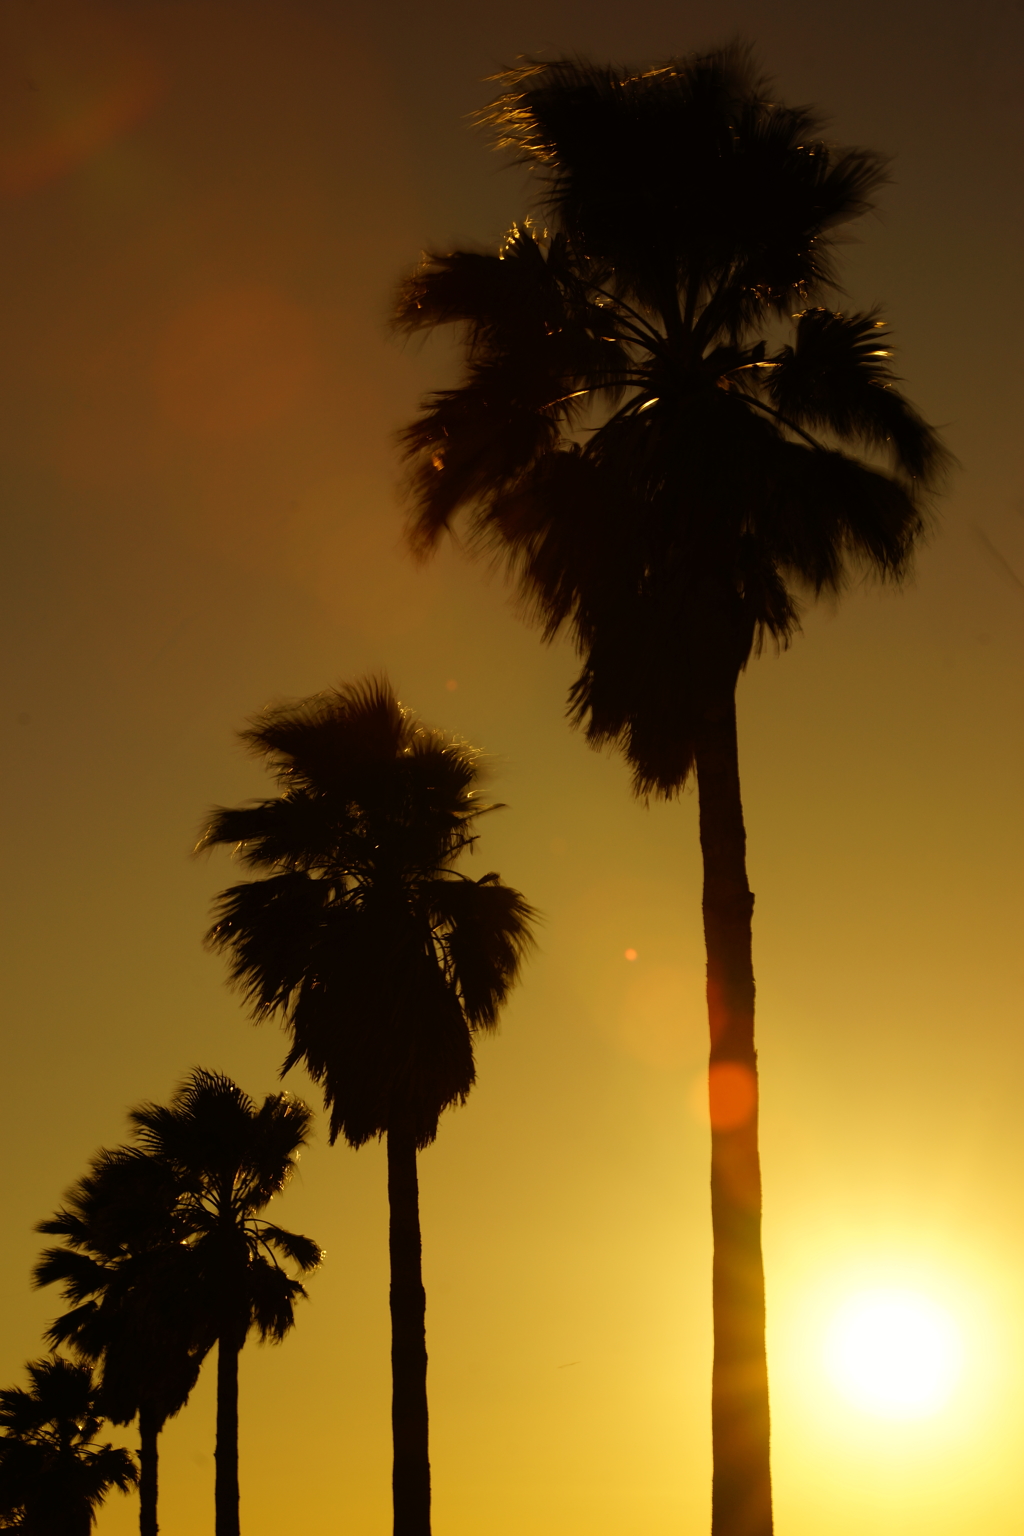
<point>894,1354</point>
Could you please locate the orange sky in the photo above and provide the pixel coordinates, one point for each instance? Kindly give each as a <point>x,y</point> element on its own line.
<point>205,207</point>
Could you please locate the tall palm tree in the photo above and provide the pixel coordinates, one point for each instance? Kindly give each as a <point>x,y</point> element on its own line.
<point>53,1474</point>
<point>666,477</point>
<point>383,959</point>
<point>126,1266</point>
<point>231,1157</point>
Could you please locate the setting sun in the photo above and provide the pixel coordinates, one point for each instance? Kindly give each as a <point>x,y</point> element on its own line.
<point>894,1353</point>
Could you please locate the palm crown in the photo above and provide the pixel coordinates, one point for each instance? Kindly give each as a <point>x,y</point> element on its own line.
<point>230,1158</point>
<point>383,959</point>
<point>125,1265</point>
<point>53,1474</point>
<point>632,434</point>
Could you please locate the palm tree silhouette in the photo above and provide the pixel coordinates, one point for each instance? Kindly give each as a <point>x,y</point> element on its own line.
<point>231,1157</point>
<point>665,477</point>
<point>127,1267</point>
<point>53,1474</point>
<point>382,958</point>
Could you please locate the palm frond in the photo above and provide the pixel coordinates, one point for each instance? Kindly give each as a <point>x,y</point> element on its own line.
<point>471,441</point>
<point>272,1298</point>
<point>203,1127</point>
<point>111,1466</point>
<point>686,176</point>
<point>541,349</point>
<point>830,512</point>
<point>79,1274</point>
<point>268,929</point>
<point>318,741</point>
<point>485,928</point>
<point>82,1328</point>
<point>838,376</point>
<point>301,1251</point>
<point>280,1129</point>
<point>61,1393</point>
<point>288,833</point>
<point>378,1027</point>
<point>64,1224</point>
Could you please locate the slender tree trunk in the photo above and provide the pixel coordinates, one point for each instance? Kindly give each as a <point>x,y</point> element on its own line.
<point>411,1476</point>
<point>741,1503</point>
<point>225,1493</point>
<point>149,1428</point>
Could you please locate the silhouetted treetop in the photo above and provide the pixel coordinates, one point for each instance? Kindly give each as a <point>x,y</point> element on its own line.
<point>382,957</point>
<point>661,476</point>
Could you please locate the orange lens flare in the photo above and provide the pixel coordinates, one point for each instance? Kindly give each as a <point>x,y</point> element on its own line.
<point>53,149</point>
<point>732,1095</point>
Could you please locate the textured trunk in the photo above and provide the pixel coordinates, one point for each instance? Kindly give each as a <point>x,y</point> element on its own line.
<point>149,1428</point>
<point>411,1476</point>
<point>741,1503</point>
<point>225,1493</point>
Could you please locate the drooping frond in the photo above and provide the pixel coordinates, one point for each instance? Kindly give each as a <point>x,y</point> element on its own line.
<point>280,1129</point>
<point>468,443</point>
<point>541,349</point>
<point>377,1025</point>
<point>838,375</point>
<point>289,832</point>
<point>829,513</point>
<point>124,1202</point>
<point>485,929</point>
<point>301,1251</point>
<point>268,929</point>
<point>272,1299</point>
<point>80,1275</point>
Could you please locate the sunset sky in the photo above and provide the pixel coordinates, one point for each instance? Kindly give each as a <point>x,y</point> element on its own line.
<point>206,205</point>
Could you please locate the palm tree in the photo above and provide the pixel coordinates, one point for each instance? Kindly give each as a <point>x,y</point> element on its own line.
<point>53,1474</point>
<point>126,1266</point>
<point>230,1158</point>
<point>665,476</point>
<point>382,958</point>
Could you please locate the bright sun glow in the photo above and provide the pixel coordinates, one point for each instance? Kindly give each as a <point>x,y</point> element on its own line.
<point>894,1353</point>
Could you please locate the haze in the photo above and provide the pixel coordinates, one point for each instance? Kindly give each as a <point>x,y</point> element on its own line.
<point>206,208</point>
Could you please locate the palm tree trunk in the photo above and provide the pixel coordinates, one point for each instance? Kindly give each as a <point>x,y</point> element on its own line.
<point>225,1493</point>
<point>411,1476</point>
<point>741,1502</point>
<point>149,1429</point>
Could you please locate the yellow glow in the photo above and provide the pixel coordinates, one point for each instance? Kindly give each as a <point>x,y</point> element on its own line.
<point>892,1358</point>
<point>895,1353</point>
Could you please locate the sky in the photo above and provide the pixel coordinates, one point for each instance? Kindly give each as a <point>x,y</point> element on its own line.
<point>206,208</point>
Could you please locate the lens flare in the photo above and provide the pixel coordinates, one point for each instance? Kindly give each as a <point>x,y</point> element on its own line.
<point>894,1354</point>
<point>732,1094</point>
